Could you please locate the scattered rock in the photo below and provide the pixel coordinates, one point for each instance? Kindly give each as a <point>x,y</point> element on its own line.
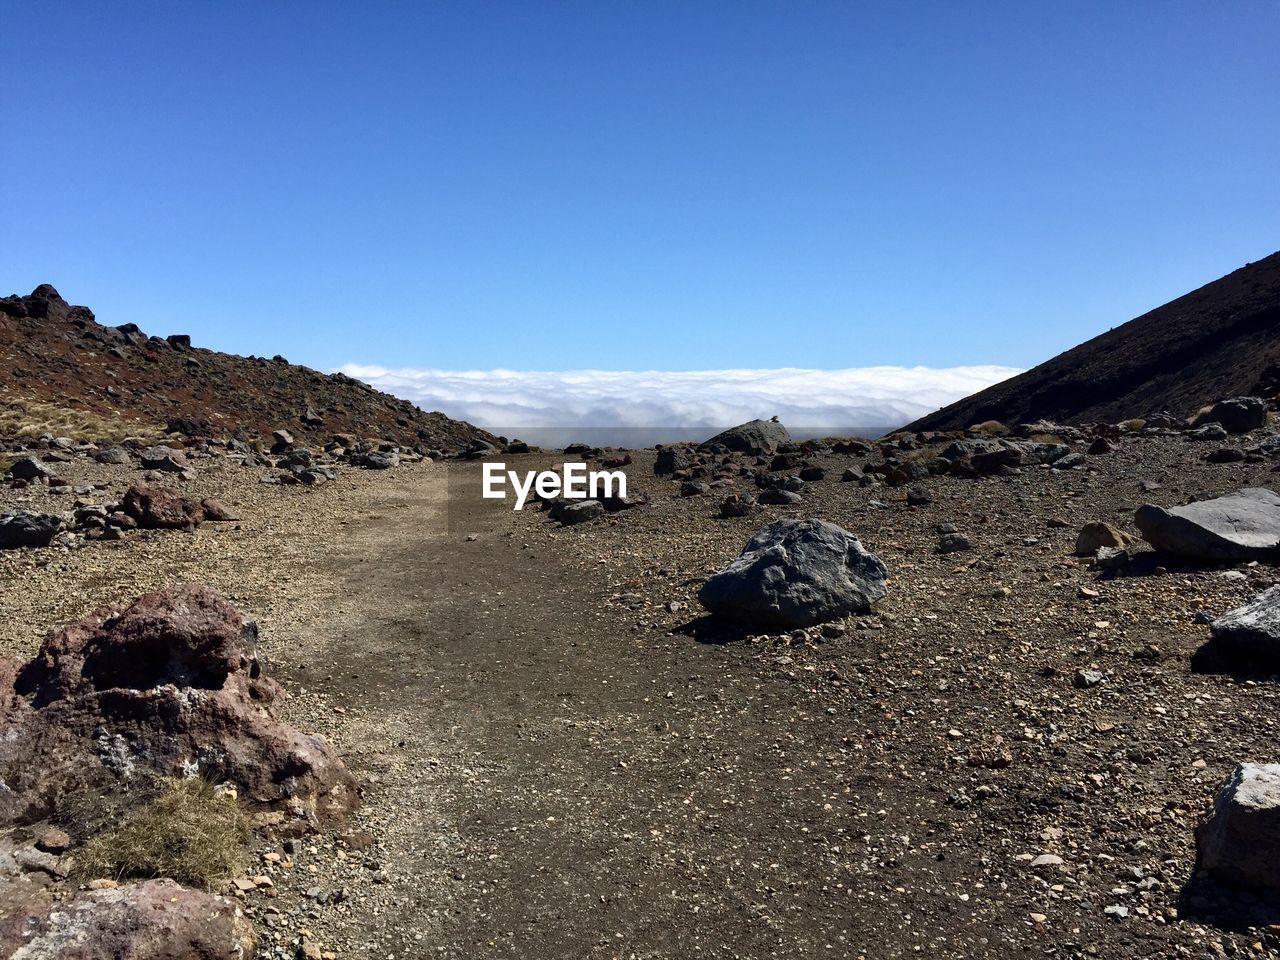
<point>777,496</point>
<point>671,459</point>
<point>738,505</point>
<point>23,529</point>
<point>579,511</point>
<point>29,468</point>
<point>1252,630</point>
<point>377,460</point>
<point>1097,534</point>
<point>1240,841</point>
<point>165,459</point>
<point>1238,414</point>
<point>1084,679</point>
<point>1111,558</point>
<point>755,437</point>
<point>215,510</point>
<point>796,573</point>
<point>1244,525</point>
<point>954,543</point>
<point>160,508</point>
<point>919,497</point>
<point>1069,461</point>
<point>117,456</point>
<point>1210,431</point>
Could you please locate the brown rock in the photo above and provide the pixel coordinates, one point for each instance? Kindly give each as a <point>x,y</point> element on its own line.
<point>154,920</point>
<point>172,684</point>
<point>1096,535</point>
<point>217,511</point>
<point>160,508</point>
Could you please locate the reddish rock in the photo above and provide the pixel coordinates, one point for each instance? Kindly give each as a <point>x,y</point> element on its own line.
<point>123,521</point>
<point>160,508</point>
<point>154,920</point>
<point>170,683</point>
<point>217,511</point>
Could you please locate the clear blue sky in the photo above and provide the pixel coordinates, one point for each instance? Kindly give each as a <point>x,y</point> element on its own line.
<point>636,185</point>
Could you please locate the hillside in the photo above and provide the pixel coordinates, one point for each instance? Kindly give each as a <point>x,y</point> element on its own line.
<point>61,369</point>
<point>1218,341</point>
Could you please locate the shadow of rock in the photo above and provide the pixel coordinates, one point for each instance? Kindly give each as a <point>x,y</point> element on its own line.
<point>1148,562</point>
<point>713,630</point>
<point>1205,900</point>
<point>1213,659</point>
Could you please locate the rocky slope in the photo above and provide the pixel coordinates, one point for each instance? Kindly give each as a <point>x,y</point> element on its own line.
<point>1218,341</point>
<point>57,362</point>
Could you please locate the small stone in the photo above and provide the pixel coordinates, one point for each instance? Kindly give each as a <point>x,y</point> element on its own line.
<point>1084,679</point>
<point>54,840</point>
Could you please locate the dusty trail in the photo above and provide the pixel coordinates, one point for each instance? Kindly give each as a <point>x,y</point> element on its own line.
<point>553,784</point>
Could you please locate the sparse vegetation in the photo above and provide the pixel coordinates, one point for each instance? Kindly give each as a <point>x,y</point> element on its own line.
<point>28,417</point>
<point>187,832</point>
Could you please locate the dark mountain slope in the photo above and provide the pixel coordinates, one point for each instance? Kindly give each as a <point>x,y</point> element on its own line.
<point>1219,341</point>
<point>56,357</point>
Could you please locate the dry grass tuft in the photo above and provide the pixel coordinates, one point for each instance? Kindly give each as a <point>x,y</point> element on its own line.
<point>989,428</point>
<point>188,833</point>
<point>22,416</point>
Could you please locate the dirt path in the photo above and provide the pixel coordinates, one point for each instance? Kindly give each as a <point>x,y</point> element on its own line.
<point>549,782</point>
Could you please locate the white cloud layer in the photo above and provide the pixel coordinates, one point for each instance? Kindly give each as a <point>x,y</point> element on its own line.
<point>635,408</point>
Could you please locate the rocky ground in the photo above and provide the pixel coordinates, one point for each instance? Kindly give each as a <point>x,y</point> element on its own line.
<point>61,370</point>
<point>561,756</point>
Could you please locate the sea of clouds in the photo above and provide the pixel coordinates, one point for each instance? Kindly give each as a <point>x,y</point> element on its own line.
<point>638,408</point>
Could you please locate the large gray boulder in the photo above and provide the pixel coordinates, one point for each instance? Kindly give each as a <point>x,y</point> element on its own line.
<point>1241,526</point>
<point>796,573</point>
<point>1240,842</point>
<point>1252,630</point>
<point>1237,415</point>
<point>754,437</point>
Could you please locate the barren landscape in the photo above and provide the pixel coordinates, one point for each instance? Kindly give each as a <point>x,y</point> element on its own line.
<point>560,754</point>
<point>640,481</point>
